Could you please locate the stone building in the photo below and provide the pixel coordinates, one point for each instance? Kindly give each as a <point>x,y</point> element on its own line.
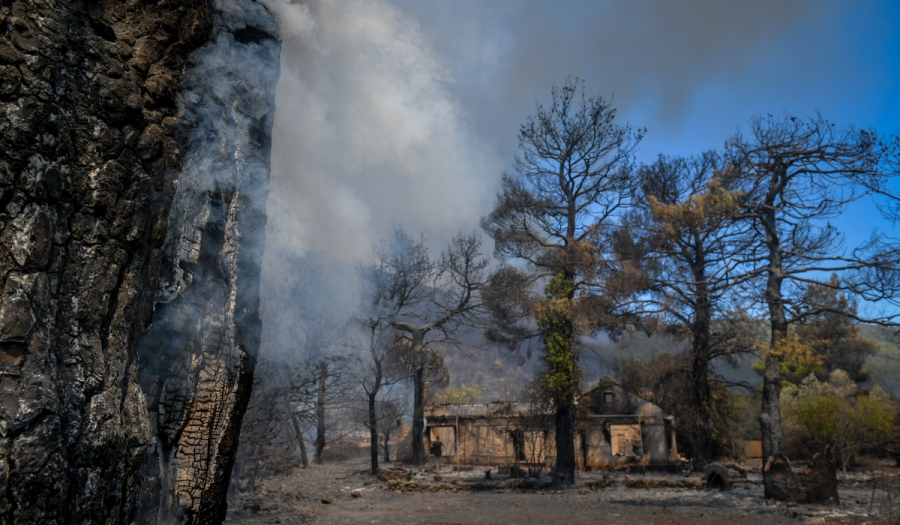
<point>614,428</point>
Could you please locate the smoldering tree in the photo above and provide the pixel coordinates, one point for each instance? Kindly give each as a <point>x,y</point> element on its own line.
<point>428,302</point>
<point>798,174</point>
<point>572,180</point>
<point>684,236</point>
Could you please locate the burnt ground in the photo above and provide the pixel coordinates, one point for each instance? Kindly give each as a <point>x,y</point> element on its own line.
<point>296,498</point>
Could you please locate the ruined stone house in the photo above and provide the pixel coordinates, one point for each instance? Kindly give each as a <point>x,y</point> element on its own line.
<point>614,428</point>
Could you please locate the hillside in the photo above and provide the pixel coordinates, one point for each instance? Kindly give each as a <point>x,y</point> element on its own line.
<point>885,365</point>
<point>501,376</point>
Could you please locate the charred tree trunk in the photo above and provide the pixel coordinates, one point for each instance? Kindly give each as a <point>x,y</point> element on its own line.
<point>304,459</point>
<point>701,392</point>
<point>418,425</point>
<point>372,394</point>
<point>373,433</point>
<point>320,412</point>
<point>373,415</point>
<point>562,379</point>
<point>103,190</point>
<point>387,450</point>
<point>564,470</point>
<point>770,418</point>
<point>701,421</point>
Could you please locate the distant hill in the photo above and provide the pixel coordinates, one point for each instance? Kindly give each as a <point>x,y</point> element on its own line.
<point>885,365</point>
<point>638,345</point>
<point>501,376</point>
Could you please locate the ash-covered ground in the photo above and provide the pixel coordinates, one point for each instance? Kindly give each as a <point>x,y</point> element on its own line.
<point>599,498</point>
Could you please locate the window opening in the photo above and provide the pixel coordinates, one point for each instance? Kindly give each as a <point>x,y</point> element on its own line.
<point>518,441</point>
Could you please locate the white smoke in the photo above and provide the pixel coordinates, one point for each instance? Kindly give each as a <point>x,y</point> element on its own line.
<point>227,92</point>
<point>367,136</point>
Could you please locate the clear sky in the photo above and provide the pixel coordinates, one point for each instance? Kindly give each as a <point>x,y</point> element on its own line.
<point>405,112</point>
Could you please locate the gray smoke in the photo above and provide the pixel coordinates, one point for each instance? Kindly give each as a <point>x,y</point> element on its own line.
<point>661,63</point>
<point>368,135</point>
<point>402,112</point>
<point>226,98</point>
<point>406,113</point>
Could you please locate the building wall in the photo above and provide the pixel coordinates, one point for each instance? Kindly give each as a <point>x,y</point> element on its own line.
<point>619,430</point>
<point>495,440</point>
<point>499,441</point>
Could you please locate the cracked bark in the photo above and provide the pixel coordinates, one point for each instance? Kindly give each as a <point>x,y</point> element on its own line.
<point>93,144</point>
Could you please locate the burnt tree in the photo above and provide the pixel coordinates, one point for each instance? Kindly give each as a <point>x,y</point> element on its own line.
<point>798,174</point>
<point>129,324</point>
<point>684,237</point>
<point>572,180</point>
<point>379,348</point>
<point>427,302</point>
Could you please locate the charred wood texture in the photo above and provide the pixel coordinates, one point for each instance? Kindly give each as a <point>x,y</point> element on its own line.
<point>103,185</point>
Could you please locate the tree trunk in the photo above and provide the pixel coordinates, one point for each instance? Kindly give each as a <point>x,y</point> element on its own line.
<point>373,432</point>
<point>562,379</point>
<point>372,394</point>
<point>300,440</point>
<point>387,450</point>
<point>701,397</point>
<point>418,428</point>
<point>125,382</point>
<point>701,392</point>
<point>564,470</point>
<point>320,413</point>
<point>770,417</point>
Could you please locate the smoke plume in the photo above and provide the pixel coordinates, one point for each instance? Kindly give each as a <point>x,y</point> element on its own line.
<point>368,135</point>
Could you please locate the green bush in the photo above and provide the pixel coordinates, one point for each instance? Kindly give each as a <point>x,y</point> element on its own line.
<point>840,420</point>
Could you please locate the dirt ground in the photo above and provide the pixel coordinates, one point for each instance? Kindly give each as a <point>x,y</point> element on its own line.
<point>296,498</point>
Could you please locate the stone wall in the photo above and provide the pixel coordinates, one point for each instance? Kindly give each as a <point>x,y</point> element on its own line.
<point>113,205</point>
